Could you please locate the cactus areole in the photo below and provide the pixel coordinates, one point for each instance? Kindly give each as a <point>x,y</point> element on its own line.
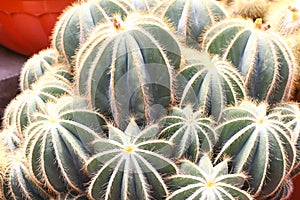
<point>125,68</point>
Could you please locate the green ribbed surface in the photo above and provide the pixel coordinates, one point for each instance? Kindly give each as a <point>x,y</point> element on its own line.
<point>128,70</point>
<point>209,82</point>
<point>190,131</point>
<point>205,181</point>
<point>130,165</point>
<point>191,17</point>
<point>259,144</point>
<point>59,143</point>
<point>263,58</point>
<point>75,24</point>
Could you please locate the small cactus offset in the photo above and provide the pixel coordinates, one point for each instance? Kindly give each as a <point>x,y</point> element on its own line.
<point>59,142</point>
<point>19,113</point>
<point>130,164</point>
<point>210,82</point>
<point>191,17</point>
<point>250,9</point>
<point>261,55</point>
<point>126,68</point>
<point>36,66</point>
<point>259,144</point>
<point>190,131</point>
<point>76,22</point>
<point>10,138</point>
<point>205,181</point>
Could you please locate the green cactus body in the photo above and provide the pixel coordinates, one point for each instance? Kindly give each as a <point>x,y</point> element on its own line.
<point>75,24</point>
<point>58,143</point>
<point>130,165</point>
<point>71,196</point>
<point>209,82</point>
<point>261,56</point>
<point>259,144</point>
<point>36,66</point>
<point>126,68</point>
<point>191,133</point>
<point>205,181</point>
<point>19,113</point>
<point>290,115</point>
<point>19,184</point>
<point>191,17</point>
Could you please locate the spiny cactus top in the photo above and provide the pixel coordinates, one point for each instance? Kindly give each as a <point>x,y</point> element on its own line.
<point>190,131</point>
<point>191,17</point>
<point>210,82</point>
<point>250,9</point>
<point>78,20</point>
<point>205,181</point>
<point>59,143</point>
<point>261,55</point>
<point>126,68</point>
<point>259,144</point>
<point>130,165</point>
<point>36,66</point>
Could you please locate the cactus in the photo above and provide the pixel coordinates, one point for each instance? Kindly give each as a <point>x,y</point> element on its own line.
<point>59,143</point>
<point>262,56</point>
<point>250,9</point>
<point>191,133</point>
<point>126,68</point>
<point>130,164</point>
<point>259,144</point>
<point>19,183</point>
<point>19,112</point>
<point>209,82</point>
<point>71,196</point>
<point>191,17</point>
<point>290,115</point>
<point>36,66</point>
<point>143,5</point>
<point>205,181</point>
<point>77,21</point>
<point>10,139</point>
<point>284,17</point>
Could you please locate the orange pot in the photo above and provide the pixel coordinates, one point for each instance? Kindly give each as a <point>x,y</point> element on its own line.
<point>26,25</point>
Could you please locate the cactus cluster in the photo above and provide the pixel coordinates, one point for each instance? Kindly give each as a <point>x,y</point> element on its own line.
<point>156,99</point>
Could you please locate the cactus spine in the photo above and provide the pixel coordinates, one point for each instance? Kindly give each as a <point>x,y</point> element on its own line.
<point>209,82</point>
<point>191,17</point>
<point>130,164</point>
<point>250,9</point>
<point>59,142</point>
<point>118,67</point>
<point>263,57</point>
<point>205,181</point>
<point>75,24</point>
<point>191,133</point>
<point>259,144</point>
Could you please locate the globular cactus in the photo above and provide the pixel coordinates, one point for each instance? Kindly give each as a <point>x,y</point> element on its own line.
<point>71,196</point>
<point>126,68</point>
<point>205,181</point>
<point>261,55</point>
<point>19,113</point>
<point>259,144</point>
<point>130,164</point>
<point>59,143</point>
<point>208,81</point>
<point>190,131</point>
<point>191,17</point>
<point>77,21</point>
<point>36,66</point>
<point>284,17</point>
<point>19,184</point>
<point>250,9</point>
<point>143,5</point>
